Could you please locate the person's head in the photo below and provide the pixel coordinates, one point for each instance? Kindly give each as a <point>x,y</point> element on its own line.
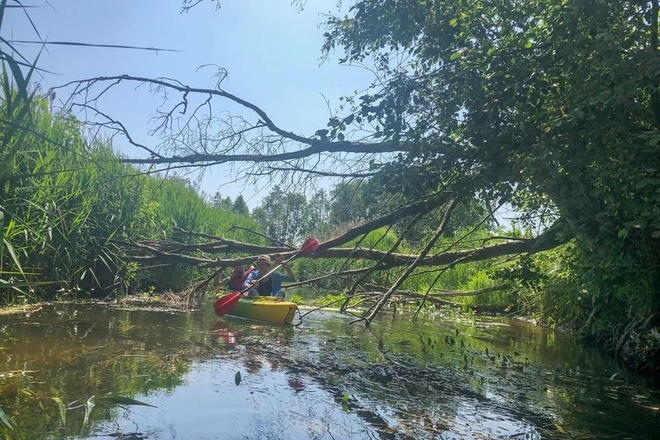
<point>262,263</point>
<point>239,270</point>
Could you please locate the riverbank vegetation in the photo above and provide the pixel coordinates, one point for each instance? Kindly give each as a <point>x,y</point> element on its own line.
<point>68,204</point>
<point>548,108</point>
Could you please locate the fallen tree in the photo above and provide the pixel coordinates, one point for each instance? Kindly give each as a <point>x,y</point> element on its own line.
<point>345,247</point>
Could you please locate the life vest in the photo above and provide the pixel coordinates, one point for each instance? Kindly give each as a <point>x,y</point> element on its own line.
<point>236,281</point>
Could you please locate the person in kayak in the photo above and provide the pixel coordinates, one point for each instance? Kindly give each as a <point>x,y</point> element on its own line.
<point>272,285</point>
<point>237,277</point>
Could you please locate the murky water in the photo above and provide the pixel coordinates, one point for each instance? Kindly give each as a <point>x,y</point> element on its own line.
<point>68,371</point>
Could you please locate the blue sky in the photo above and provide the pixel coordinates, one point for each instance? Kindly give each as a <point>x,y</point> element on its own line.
<point>270,49</point>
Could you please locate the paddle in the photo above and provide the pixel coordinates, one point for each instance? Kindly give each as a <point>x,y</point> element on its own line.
<point>226,303</point>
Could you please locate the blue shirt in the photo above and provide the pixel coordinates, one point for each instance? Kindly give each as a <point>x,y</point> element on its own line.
<point>277,278</point>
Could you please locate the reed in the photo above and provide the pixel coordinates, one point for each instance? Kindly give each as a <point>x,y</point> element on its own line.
<point>65,198</point>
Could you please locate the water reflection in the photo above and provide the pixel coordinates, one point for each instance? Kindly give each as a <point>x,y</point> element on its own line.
<point>223,334</point>
<point>326,379</point>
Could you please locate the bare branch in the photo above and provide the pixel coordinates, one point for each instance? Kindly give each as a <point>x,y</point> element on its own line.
<point>323,173</point>
<point>319,147</point>
<point>370,314</point>
<point>118,126</point>
<point>315,145</point>
<point>423,206</point>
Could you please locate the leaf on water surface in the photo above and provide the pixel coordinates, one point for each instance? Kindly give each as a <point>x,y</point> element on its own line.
<point>237,378</point>
<point>62,408</point>
<point>28,393</point>
<point>560,429</point>
<point>89,405</point>
<point>5,420</point>
<point>344,402</point>
<point>122,400</point>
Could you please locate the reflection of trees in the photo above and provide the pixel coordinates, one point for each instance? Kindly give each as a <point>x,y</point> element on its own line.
<point>507,368</point>
<point>431,376</point>
<point>64,358</point>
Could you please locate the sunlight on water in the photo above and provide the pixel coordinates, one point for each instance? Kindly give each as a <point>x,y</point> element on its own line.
<point>265,405</point>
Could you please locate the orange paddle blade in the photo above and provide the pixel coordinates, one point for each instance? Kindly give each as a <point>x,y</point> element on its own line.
<point>226,303</point>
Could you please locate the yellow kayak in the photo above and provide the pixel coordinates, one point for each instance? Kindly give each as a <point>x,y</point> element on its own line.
<point>265,308</point>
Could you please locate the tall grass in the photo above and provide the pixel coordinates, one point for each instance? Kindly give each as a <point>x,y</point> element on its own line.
<point>176,202</point>
<point>64,200</point>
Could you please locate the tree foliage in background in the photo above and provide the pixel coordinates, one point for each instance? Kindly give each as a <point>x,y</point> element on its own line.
<point>284,216</point>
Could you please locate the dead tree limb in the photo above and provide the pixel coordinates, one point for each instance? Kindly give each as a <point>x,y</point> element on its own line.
<point>377,264</point>
<point>421,207</point>
<point>151,253</point>
<point>315,145</point>
<point>371,314</point>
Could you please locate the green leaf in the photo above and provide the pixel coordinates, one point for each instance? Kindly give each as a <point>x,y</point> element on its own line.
<point>344,402</point>
<point>4,419</point>
<point>14,257</point>
<point>237,378</point>
<point>62,408</point>
<point>89,406</point>
<point>456,55</point>
<point>19,80</point>
<point>2,235</point>
<point>2,11</point>
<point>122,400</point>
<point>453,22</point>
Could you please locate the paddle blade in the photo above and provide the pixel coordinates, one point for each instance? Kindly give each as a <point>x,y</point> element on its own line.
<point>226,303</point>
<point>309,246</point>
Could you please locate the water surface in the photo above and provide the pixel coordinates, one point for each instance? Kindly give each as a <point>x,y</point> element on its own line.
<point>328,378</point>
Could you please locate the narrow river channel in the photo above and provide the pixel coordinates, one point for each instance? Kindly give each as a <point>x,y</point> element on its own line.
<point>83,371</point>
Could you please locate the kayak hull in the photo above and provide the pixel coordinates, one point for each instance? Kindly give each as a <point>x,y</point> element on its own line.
<point>266,309</point>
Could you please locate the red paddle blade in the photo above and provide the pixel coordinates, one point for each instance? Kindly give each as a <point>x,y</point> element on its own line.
<point>309,246</point>
<point>226,303</point>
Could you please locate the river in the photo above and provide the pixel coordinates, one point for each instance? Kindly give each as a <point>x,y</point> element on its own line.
<point>89,370</point>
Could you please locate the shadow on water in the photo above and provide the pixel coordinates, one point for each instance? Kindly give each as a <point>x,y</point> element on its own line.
<point>227,378</point>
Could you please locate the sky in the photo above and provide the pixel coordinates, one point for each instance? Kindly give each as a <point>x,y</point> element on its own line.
<point>271,50</point>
